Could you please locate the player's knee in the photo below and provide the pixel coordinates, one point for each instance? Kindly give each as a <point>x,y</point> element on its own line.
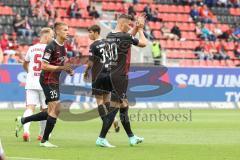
<point>99,99</point>
<point>52,104</point>
<point>124,103</point>
<point>100,102</point>
<point>106,98</point>
<point>54,108</point>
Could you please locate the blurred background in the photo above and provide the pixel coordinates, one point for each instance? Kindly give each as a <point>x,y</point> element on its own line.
<point>197,40</point>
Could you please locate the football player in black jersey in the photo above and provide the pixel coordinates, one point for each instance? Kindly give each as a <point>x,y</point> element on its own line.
<point>118,48</point>
<point>98,63</point>
<point>53,63</point>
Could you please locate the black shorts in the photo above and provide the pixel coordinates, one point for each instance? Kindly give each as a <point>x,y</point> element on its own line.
<point>119,87</point>
<point>51,92</point>
<point>102,85</point>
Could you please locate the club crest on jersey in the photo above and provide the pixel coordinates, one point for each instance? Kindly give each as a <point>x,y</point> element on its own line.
<point>47,55</point>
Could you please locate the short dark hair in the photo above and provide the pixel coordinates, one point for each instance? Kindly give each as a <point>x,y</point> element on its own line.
<point>57,24</point>
<point>95,28</point>
<point>125,16</point>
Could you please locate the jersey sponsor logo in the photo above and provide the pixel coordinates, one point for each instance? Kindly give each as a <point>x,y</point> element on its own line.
<point>208,80</point>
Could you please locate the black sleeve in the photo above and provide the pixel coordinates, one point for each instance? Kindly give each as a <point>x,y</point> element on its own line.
<point>133,40</point>
<point>91,53</point>
<point>48,53</point>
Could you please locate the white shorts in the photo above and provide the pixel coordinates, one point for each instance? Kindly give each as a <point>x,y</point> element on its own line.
<point>1,150</point>
<point>35,97</point>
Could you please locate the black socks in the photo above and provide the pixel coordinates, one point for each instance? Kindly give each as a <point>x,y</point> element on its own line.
<point>125,121</point>
<point>107,121</point>
<point>36,117</point>
<point>102,110</point>
<point>51,121</point>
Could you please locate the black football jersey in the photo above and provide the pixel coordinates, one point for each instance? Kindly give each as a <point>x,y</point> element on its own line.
<point>118,46</point>
<point>54,54</point>
<point>99,57</point>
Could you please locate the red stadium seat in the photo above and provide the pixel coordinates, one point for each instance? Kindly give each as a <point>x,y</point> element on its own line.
<point>236,62</point>
<point>186,63</point>
<point>139,7</point>
<point>183,26</point>
<point>5,10</point>
<point>187,44</point>
<point>235,11</point>
<point>192,35</point>
<point>163,43</point>
<point>157,34</point>
<point>85,14</point>
<point>176,44</point>
<point>187,9</point>
<point>65,4</point>
<point>196,63</point>
<point>209,63</point>
<point>33,2</point>
<point>216,63</point>
<point>57,4</point>
<point>158,25</point>
<point>229,63</point>
<point>191,26</point>
<point>72,31</point>
<point>62,13</point>
<point>222,63</point>
<point>173,9</point>
<point>105,6</point>
<point>202,63</point>
<point>82,4</point>
<point>67,21</point>
<point>180,9</point>
<point>152,25</point>
<point>188,56</point>
<point>231,54</point>
<point>163,8</point>
<point>119,7</point>
<point>88,23</point>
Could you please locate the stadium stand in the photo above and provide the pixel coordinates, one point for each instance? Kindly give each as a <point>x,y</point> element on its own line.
<point>222,23</point>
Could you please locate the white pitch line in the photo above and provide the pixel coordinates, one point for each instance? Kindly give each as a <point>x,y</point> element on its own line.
<point>23,158</point>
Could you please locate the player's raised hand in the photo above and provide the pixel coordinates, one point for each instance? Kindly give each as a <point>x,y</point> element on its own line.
<point>140,21</point>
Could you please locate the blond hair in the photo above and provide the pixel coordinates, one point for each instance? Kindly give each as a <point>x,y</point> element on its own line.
<point>45,30</point>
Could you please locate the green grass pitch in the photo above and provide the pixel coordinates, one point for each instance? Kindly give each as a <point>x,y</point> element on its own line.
<point>211,135</point>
